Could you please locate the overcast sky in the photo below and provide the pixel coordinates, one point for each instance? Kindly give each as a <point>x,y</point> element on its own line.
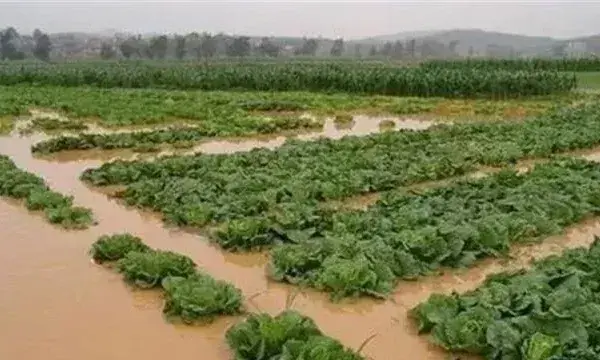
<point>311,18</point>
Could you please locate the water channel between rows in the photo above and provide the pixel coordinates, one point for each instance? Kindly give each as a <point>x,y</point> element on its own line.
<point>57,304</point>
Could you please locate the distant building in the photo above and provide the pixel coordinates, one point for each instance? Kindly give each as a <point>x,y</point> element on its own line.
<point>576,49</point>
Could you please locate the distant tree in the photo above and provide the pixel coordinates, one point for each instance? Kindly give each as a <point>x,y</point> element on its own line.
<point>129,48</point>
<point>239,46</point>
<point>471,51</point>
<point>158,46</point>
<point>194,44</point>
<point>398,50</point>
<point>388,49</point>
<point>107,51</point>
<point>180,47</point>
<point>209,45</point>
<point>8,45</point>
<point>452,47</point>
<point>427,49</point>
<point>308,47</point>
<point>36,34</point>
<point>338,47</point>
<point>42,48</point>
<point>412,47</point>
<point>268,48</point>
<point>357,50</point>
<point>559,50</point>
<point>373,50</point>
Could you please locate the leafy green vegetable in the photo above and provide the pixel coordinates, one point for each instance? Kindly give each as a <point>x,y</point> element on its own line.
<point>191,295</point>
<point>550,312</point>
<point>404,235</point>
<point>263,197</point>
<point>540,347</point>
<point>117,246</point>
<point>317,348</point>
<point>148,269</point>
<point>199,297</point>
<point>287,336</point>
<point>58,209</point>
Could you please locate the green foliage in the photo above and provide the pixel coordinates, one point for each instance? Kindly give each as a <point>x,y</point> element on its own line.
<point>264,196</point>
<point>404,235</point>
<point>58,209</point>
<point>287,336</point>
<point>387,125</point>
<point>70,217</point>
<point>551,312</point>
<point>565,64</point>
<point>292,76</point>
<point>190,294</point>
<point>147,269</point>
<point>235,113</point>
<point>117,246</point>
<point>147,141</point>
<point>54,124</point>
<point>343,120</point>
<point>199,298</point>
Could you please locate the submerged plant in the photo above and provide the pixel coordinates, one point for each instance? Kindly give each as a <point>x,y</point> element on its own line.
<point>549,312</point>
<point>261,336</point>
<point>147,269</point>
<point>117,246</point>
<point>70,217</point>
<point>287,336</point>
<point>343,121</point>
<point>199,298</point>
<point>387,125</point>
<point>58,208</point>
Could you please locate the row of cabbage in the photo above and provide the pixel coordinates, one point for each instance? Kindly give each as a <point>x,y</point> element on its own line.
<point>319,77</point>
<point>190,294</point>
<point>404,235</point>
<point>37,196</point>
<point>235,112</point>
<point>179,136</point>
<point>529,64</point>
<point>550,312</point>
<point>194,296</point>
<point>295,178</point>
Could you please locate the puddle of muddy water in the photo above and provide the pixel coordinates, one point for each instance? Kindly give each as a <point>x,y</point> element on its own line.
<point>60,305</point>
<point>361,126</point>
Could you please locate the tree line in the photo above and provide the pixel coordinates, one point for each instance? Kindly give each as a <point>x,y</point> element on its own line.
<point>204,46</point>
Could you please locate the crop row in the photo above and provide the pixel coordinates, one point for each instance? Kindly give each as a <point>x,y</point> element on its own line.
<point>320,77</point>
<point>191,295</point>
<point>551,312</point>
<point>533,64</point>
<point>406,235</point>
<point>220,111</point>
<point>174,136</point>
<point>195,297</point>
<point>284,183</point>
<point>37,196</point>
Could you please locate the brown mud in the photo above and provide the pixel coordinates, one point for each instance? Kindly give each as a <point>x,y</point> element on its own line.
<point>58,305</point>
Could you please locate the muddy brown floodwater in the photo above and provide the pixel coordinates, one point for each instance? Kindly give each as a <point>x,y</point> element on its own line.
<point>361,125</point>
<point>56,304</point>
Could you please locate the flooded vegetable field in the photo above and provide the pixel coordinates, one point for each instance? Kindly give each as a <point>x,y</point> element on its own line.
<point>367,212</point>
<point>58,304</point>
